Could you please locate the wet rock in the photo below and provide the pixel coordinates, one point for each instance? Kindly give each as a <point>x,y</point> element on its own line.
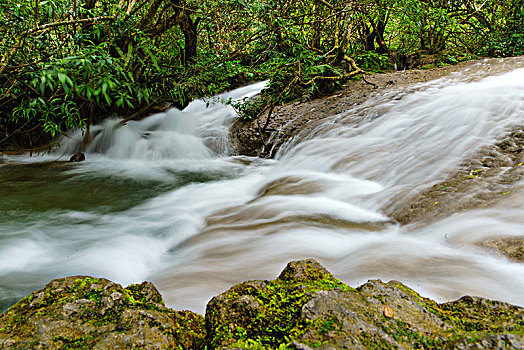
<point>78,157</point>
<point>268,310</point>
<point>305,270</point>
<point>293,119</point>
<point>476,314</point>
<point>490,341</point>
<point>356,320</point>
<point>229,311</point>
<point>304,308</point>
<point>510,247</point>
<point>86,312</point>
<point>483,179</point>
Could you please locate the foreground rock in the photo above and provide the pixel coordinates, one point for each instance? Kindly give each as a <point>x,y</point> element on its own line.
<point>83,312</point>
<point>304,308</point>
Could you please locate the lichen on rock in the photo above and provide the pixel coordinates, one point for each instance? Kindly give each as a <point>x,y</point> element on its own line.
<point>267,312</point>
<point>85,312</point>
<point>305,308</point>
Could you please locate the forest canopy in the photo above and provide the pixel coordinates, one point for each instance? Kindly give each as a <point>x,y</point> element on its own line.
<point>67,64</point>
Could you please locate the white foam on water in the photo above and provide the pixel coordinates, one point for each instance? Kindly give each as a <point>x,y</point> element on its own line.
<point>198,220</point>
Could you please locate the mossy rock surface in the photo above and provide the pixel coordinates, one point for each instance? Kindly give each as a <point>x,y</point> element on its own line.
<point>306,307</point>
<point>83,312</point>
<point>267,312</point>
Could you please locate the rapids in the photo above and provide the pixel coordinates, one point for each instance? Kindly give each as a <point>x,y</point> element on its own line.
<point>161,199</point>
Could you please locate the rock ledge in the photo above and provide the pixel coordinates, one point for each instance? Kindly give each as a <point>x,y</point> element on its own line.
<point>304,308</point>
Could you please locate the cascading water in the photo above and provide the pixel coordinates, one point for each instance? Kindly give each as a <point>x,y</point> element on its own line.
<point>160,199</point>
<point>198,132</point>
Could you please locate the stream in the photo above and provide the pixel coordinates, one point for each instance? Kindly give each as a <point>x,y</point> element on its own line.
<point>162,200</point>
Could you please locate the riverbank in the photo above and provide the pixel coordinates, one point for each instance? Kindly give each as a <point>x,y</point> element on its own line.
<point>305,307</point>
<point>299,118</point>
<point>483,179</point>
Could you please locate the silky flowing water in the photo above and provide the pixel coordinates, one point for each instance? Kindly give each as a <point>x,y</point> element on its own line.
<point>162,200</point>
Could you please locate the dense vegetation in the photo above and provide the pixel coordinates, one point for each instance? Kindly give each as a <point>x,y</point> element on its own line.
<point>70,63</point>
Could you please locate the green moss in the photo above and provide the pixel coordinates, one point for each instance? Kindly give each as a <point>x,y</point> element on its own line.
<point>134,295</point>
<point>402,332</point>
<point>109,317</point>
<point>12,322</point>
<point>25,301</point>
<point>469,318</point>
<point>82,283</point>
<point>189,329</point>
<point>370,342</point>
<point>480,315</point>
<point>95,296</point>
<point>277,320</point>
<point>324,329</point>
<point>251,344</point>
<point>331,324</point>
<point>419,299</point>
<point>75,343</point>
<point>129,298</point>
<point>267,315</point>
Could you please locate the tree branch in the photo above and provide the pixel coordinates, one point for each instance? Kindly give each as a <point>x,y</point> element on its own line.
<point>4,62</point>
<point>65,23</point>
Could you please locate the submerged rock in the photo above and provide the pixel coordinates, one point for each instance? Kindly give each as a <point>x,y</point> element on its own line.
<point>510,247</point>
<point>78,157</point>
<point>304,308</point>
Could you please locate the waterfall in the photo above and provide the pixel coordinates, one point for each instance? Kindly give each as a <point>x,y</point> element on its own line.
<point>161,199</point>
<point>199,131</point>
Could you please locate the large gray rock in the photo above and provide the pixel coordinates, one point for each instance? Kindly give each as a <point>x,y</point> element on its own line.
<point>266,311</point>
<point>86,312</point>
<point>304,308</point>
<point>379,313</point>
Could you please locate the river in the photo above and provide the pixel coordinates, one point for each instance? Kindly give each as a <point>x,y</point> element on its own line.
<point>162,200</point>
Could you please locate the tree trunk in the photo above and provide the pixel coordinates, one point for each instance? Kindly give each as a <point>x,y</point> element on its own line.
<point>370,40</point>
<point>381,27</point>
<point>189,28</point>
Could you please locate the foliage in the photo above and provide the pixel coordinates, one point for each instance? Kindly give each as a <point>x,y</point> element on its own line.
<point>508,39</point>
<point>373,61</point>
<point>249,108</point>
<point>304,47</point>
<point>70,63</point>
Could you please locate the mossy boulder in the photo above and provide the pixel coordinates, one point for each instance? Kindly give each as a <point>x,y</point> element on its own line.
<point>306,307</point>
<point>377,315</point>
<point>267,312</point>
<point>83,312</point>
